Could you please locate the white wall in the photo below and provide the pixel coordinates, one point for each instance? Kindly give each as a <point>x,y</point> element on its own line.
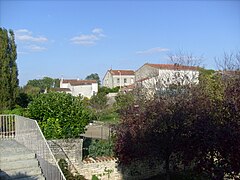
<point>129,80</point>
<point>145,71</point>
<point>85,90</point>
<point>108,80</point>
<point>167,77</point>
<point>111,81</point>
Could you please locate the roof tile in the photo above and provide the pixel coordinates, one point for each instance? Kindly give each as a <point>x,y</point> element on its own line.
<point>173,67</point>
<point>122,72</point>
<point>75,82</point>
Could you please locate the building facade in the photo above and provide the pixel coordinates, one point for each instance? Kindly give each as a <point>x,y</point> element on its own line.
<point>154,77</point>
<point>118,78</point>
<point>85,88</point>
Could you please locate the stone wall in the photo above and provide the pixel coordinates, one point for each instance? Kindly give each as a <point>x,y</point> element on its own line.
<point>106,168</point>
<point>68,149</point>
<point>103,169</point>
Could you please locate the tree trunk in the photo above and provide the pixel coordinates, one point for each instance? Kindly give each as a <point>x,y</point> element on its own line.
<point>167,164</point>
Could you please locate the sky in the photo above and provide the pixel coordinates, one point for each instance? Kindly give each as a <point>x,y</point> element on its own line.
<point>72,39</point>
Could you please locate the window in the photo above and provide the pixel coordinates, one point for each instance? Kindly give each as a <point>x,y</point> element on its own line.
<point>118,80</point>
<point>125,80</point>
<point>131,80</point>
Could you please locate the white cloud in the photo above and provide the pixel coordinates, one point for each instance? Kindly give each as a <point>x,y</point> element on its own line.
<point>22,31</point>
<point>88,39</point>
<point>152,51</point>
<point>98,31</point>
<point>36,48</point>
<point>26,36</point>
<point>21,52</point>
<point>28,42</point>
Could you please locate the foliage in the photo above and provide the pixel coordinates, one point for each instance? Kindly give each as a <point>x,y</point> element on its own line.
<point>106,172</point>
<point>8,69</point>
<point>124,100</point>
<point>68,175</point>
<point>98,101</point>
<point>44,83</point>
<point>51,128</point>
<point>154,130</point>
<point>31,91</point>
<point>196,126</point>
<point>109,116</point>
<point>23,99</point>
<point>62,110</point>
<point>94,76</point>
<point>101,148</point>
<point>107,90</point>
<point>94,177</point>
<point>17,111</point>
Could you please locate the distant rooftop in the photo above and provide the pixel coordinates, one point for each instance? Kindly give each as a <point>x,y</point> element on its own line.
<point>172,66</point>
<point>75,82</point>
<point>122,72</point>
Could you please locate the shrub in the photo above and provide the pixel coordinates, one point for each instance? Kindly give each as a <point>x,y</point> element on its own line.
<point>59,115</point>
<point>101,148</point>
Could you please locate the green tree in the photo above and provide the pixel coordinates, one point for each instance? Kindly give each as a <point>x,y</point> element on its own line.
<point>124,100</point>
<point>60,115</point>
<point>94,76</point>
<point>98,103</point>
<point>44,83</point>
<point>8,69</point>
<point>107,90</point>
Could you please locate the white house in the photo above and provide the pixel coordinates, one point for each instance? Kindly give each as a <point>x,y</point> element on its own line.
<point>121,78</point>
<point>160,76</point>
<point>86,88</point>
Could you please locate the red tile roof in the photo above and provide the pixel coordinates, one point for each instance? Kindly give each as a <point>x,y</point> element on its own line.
<point>75,82</point>
<point>122,72</point>
<point>173,67</point>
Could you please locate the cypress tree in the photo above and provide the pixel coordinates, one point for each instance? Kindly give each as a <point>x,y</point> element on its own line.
<point>14,71</point>
<point>8,70</point>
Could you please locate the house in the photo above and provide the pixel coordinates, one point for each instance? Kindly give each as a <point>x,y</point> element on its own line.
<point>76,87</point>
<point>121,78</point>
<point>152,70</point>
<point>160,76</point>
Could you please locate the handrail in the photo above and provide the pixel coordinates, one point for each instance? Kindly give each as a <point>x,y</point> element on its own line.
<point>27,132</point>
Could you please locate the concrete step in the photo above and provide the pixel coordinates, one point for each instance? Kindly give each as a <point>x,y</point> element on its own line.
<point>16,156</point>
<point>17,162</point>
<point>11,145</point>
<point>20,173</point>
<point>5,166</point>
<point>39,177</point>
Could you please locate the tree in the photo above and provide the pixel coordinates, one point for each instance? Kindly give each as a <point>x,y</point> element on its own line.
<point>94,76</point>
<point>60,115</point>
<point>197,126</point>
<point>153,130</point>
<point>8,69</point>
<point>44,83</point>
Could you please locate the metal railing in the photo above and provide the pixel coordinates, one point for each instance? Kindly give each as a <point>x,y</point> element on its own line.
<point>27,132</point>
<point>7,126</point>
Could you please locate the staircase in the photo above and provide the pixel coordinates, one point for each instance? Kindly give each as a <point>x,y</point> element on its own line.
<point>17,162</point>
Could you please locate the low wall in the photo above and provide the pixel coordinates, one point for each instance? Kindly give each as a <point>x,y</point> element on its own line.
<point>106,168</point>
<point>68,149</point>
